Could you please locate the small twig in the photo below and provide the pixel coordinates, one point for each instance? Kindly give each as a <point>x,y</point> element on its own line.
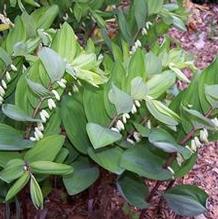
<point>113,121</point>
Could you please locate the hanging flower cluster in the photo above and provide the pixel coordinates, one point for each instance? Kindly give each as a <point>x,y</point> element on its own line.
<point>4,82</point>
<point>44,115</point>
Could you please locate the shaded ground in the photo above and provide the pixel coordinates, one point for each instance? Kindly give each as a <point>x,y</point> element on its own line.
<point>103,201</point>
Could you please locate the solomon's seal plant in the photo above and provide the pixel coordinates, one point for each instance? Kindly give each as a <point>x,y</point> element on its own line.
<point>75,102</point>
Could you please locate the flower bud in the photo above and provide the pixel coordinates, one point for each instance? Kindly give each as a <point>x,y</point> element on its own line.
<point>148,24</point>
<point>137,103</point>
<point>75,88</point>
<point>144,31</point>
<point>45,113</point>
<point>39,133</point>
<point>13,67</point>
<point>40,126</point>
<point>193,146</point>
<point>136,136</point>
<point>197,142</point>
<point>61,84</point>
<point>171,170</point>
<point>8,76</point>
<point>120,125</point>
<point>51,104</point>
<point>130,141</point>
<point>32,139</point>
<point>42,116</point>
<point>215,121</point>
<point>204,135</point>
<point>2,91</point>
<point>4,85</point>
<point>134,110</point>
<point>179,159</point>
<point>115,129</point>
<point>56,94</point>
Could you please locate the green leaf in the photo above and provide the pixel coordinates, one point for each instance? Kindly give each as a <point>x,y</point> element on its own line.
<point>133,189</point>
<point>65,43</point>
<point>208,77</point>
<point>143,162</point>
<point>12,170</point>
<point>178,23</point>
<point>38,89</point>
<point>197,119</point>
<point>5,157</point>
<point>32,2</point>
<point>84,175</point>
<point>100,136</point>
<point>139,90</point>
<point>15,113</point>
<point>74,120</point>
<point>124,28</point>
<point>18,186</point>
<point>160,138</point>
<point>12,139</point>
<point>53,63</point>
<point>141,11</point>
<point>122,101</point>
<point>5,57</point>
<point>162,112</point>
<point>211,95</point>
<point>154,6</point>
<point>36,193</point>
<point>144,131</point>
<point>153,64</point>
<point>160,83</point>
<point>45,16</point>
<point>136,66</point>
<point>52,143</point>
<point>48,167</point>
<point>16,34</point>
<point>186,200</point>
<point>93,97</point>
<point>108,158</point>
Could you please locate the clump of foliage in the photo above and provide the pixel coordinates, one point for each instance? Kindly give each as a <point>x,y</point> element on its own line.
<point>74,100</point>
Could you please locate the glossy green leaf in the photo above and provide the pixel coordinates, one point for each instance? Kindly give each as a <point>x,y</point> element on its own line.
<point>15,113</point>
<point>52,143</point>
<point>133,189</point>
<point>143,162</point>
<point>36,193</point>
<point>162,112</point>
<point>93,97</point>
<point>5,57</point>
<point>45,16</point>
<point>101,136</point>
<point>84,176</point>
<point>12,170</point>
<point>124,27</point>
<point>139,90</point>
<point>141,11</point>
<point>65,43</point>
<point>160,83</point>
<point>48,167</point>
<point>74,120</point>
<point>5,157</point>
<point>122,101</point>
<point>186,200</point>
<point>160,138</point>
<point>38,89</point>
<point>108,158</point>
<point>18,186</point>
<point>53,63</point>
<point>153,64</point>
<point>12,139</point>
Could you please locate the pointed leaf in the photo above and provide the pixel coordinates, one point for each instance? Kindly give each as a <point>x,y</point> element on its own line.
<point>100,136</point>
